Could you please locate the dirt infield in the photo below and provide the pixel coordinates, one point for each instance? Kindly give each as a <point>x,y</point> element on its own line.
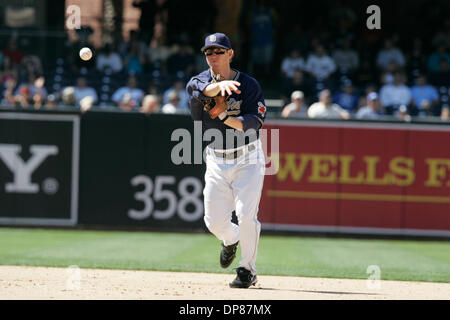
<point>63,283</point>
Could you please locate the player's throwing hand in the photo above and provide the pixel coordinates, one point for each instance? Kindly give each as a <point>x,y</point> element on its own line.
<point>227,87</point>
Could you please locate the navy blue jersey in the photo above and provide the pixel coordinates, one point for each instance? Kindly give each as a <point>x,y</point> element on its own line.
<point>248,106</point>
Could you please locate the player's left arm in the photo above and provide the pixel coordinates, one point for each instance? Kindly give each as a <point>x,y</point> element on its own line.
<point>253,109</point>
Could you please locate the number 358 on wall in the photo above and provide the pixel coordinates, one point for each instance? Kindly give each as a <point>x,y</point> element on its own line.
<point>189,191</point>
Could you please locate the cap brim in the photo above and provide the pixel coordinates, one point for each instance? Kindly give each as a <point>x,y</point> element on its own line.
<point>214,46</point>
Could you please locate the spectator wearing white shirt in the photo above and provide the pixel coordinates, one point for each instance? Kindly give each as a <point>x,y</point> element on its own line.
<point>320,65</point>
<point>291,63</point>
<point>128,97</point>
<point>392,96</point>
<point>109,60</point>
<point>83,91</point>
<point>173,107</point>
<point>179,88</point>
<point>297,108</point>
<point>371,110</point>
<point>390,54</point>
<point>325,109</point>
<point>150,104</point>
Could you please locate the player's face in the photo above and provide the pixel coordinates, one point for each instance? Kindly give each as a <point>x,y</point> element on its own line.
<point>216,57</point>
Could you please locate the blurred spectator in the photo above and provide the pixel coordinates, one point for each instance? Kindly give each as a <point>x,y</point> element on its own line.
<point>173,106</point>
<point>68,97</point>
<point>363,98</point>
<point>33,90</point>
<point>183,61</point>
<point>262,19</point>
<point>150,104</point>
<point>52,101</point>
<point>298,83</point>
<point>425,97</point>
<point>82,91</point>
<point>12,51</point>
<point>345,58</point>
<point>40,94</point>
<point>23,97</point>
<point>347,98</point>
<point>394,95</point>
<point>326,109</point>
<point>372,109</point>
<point>86,103</point>
<point>403,114</point>
<point>319,64</point>
<point>8,94</point>
<point>387,76</point>
<point>291,63</point>
<point>129,96</point>
<point>35,85</point>
<point>134,60</point>
<point>435,59</point>
<point>179,88</point>
<point>108,59</point>
<point>390,54</point>
<point>297,107</point>
<point>445,113</point>
<point>442,82</point>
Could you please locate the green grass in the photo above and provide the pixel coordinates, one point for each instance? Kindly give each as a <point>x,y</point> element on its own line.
<point>293,256</point>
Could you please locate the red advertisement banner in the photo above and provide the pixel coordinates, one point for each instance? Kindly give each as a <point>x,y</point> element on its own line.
<point>359,177</point>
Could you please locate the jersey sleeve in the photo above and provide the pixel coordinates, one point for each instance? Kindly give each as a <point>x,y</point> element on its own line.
<point>254,106</point>
<point>196,98</point>
<point>195,88</point>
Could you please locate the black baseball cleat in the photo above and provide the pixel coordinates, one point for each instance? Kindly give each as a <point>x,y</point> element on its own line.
<point>244,279</point>
<point>228,254</point>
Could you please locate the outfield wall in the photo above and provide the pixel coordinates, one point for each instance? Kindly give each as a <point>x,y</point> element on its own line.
<point>114,169</point>
<point>360,177</point>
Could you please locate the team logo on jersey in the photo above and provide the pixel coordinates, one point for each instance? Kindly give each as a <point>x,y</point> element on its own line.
<point>212,38</point>
<point>261,109</point>
<point>234,106</point>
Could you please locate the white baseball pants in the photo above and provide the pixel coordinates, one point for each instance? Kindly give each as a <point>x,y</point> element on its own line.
<point>235,184</point>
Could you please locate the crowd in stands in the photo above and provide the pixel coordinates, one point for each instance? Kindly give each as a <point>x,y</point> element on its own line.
<point>317,78</point>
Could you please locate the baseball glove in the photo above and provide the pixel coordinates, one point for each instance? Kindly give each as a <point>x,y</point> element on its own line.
<point>219,107</point>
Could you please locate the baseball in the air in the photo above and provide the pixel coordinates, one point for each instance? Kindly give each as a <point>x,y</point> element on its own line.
<point>85,54</point>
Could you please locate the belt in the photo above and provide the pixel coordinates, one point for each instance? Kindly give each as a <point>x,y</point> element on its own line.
<point>234,154</point>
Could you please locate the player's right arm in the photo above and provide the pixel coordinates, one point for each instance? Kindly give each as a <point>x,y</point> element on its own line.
<point>225,88</point>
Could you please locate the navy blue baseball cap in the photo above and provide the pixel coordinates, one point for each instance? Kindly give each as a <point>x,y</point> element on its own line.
<point>217,40</point>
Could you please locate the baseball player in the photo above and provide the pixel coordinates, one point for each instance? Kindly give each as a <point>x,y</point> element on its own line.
<point>232,103</point>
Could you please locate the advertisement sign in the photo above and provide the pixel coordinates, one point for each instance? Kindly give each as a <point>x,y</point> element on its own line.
<point>39,169</point>
<point>365,178</point>
<point>128,177</point>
